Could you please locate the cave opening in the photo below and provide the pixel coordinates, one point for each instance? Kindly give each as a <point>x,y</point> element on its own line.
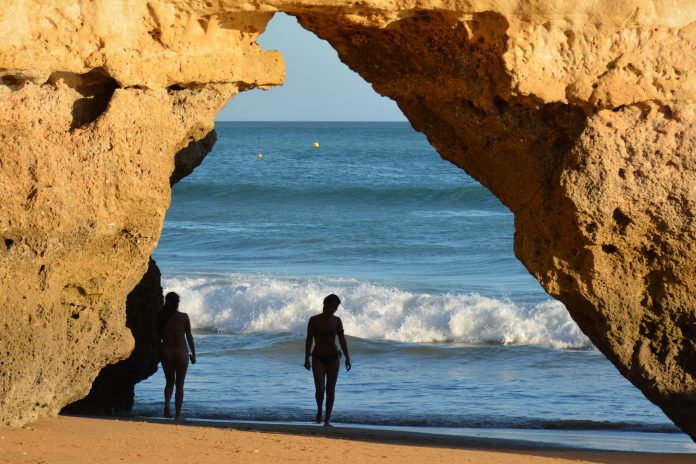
<point>446,327</point>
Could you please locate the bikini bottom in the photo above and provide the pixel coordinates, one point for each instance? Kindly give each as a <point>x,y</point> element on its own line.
<point>174,354</point>
<point>326,360</point>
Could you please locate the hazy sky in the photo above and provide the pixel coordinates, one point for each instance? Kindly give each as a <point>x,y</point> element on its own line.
<point>318,87</point>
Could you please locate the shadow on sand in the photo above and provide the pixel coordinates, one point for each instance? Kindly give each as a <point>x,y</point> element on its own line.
<point>408,438</point>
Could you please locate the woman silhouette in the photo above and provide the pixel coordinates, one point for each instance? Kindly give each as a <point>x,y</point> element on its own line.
<point>323,329</point>
<point>174,329</point>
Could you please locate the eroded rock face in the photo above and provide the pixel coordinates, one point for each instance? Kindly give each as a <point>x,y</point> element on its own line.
<point>586,133</point>
<point>577,115</point>
<point>190,157</point>
<point>82,211</point>
<point>113,391</point>
<point>93,107</point>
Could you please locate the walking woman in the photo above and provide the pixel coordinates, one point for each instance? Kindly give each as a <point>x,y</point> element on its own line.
<point>323,329</point>
<point>174,330</point>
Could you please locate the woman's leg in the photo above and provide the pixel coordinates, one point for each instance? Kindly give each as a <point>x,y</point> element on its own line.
<point>181,367</point>
<point>168,368</point>
<point>319,381</point>
<point>331,379</point>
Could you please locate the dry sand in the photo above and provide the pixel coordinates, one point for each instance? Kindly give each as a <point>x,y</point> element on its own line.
<point>84,440</point>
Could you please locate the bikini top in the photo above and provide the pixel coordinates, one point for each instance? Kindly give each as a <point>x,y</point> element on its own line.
<point>331,333</point>
<point>169,330</point>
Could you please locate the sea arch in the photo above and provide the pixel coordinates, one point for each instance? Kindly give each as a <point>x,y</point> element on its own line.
<point>577,117</point>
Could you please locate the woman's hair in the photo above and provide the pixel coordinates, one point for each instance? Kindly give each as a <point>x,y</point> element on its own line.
<point>171,304</point>
<point>332,299</point>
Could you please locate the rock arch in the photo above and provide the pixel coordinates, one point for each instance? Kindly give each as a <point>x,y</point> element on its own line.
<point>579,118</point>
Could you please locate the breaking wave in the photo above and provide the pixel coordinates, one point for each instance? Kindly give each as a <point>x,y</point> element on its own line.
<point>256,303</point>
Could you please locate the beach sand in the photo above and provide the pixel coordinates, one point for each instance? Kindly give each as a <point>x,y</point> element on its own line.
<point>79,440</point>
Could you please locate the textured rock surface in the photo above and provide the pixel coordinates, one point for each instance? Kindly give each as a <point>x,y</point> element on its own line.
<point>189,158</point>
<point>577,115</point>
<point>92,112</point>
<point>585,130</point>
<point>82,212</point>
<point>113,391</point>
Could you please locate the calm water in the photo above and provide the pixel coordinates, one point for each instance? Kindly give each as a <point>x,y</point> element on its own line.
<point>447,329</point>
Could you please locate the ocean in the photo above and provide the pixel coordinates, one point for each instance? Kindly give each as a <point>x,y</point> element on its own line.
<point>446,328</point>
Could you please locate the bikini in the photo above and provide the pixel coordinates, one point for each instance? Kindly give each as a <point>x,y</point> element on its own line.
<point>326,360</point>
<point>171,351</point>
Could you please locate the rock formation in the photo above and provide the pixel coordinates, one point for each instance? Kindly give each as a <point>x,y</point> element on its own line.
<point>584,130</point>
<point>189,158</point>
<point>92,111</point>
<point>113,391</point>
<point>577,115</point>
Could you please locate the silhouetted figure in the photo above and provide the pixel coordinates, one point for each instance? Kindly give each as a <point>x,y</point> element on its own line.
<point>323,329</point>
<point>174,329</point>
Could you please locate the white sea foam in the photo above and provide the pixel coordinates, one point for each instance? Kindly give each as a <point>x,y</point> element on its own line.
<point>243,304</point>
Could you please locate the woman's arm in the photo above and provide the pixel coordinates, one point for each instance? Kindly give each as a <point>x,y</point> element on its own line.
<point>189,339</point>
<point>342,341</point>
<point>308,343</point>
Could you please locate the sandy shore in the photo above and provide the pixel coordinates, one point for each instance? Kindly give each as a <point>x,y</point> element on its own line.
<point>85,440</point>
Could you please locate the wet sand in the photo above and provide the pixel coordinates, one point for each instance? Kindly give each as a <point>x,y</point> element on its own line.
<point>88,440</point>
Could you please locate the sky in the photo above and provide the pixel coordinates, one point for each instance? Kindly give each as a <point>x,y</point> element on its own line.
<point>318,87</point>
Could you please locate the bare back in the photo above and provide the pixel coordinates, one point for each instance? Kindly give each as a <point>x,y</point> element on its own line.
<point>174,354</point>
<point>174,333</point>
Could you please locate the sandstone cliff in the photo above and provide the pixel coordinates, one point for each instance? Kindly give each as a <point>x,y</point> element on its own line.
<point>577,115</point>
<point>113,391</point>
<point>93,107</point>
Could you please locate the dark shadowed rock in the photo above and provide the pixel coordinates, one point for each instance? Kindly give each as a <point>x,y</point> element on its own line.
<point>193,155</point>
<point>114,388</point>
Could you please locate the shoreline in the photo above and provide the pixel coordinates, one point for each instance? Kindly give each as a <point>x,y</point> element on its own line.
<point>467,437</point>
<point>85,440</point>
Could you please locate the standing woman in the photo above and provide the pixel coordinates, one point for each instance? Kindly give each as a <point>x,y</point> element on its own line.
<point>174,330</point>
<point>323,329</point>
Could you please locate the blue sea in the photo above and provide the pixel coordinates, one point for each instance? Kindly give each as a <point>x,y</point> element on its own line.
<point>446,328</point>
